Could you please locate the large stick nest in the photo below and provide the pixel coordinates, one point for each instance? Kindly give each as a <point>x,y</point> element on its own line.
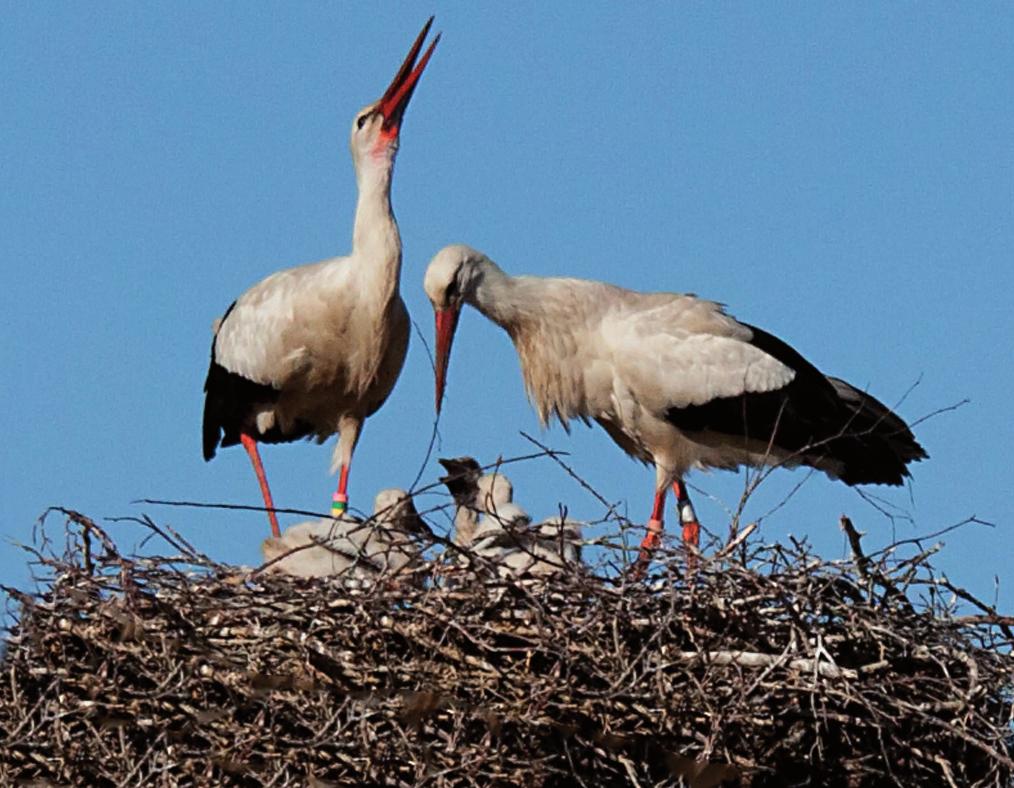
<point>764,665</point>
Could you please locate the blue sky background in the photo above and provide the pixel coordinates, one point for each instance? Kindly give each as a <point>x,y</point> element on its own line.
<point>841,175</point>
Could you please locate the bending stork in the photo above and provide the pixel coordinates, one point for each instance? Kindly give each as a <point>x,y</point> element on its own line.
<point>673,380</point>
<point>315,350</point>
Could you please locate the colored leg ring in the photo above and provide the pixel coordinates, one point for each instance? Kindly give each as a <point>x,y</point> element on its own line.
<point>339,503</point>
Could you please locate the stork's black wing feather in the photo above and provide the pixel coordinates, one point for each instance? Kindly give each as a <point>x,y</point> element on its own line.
<point>231,404</point>
<point>818,417</point>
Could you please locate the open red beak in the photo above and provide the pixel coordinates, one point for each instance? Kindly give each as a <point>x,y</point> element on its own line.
<point>395,99</point>
<point>447,322</point>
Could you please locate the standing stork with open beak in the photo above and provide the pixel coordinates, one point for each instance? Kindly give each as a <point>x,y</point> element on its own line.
<point>316,349</point>
<point>673,380</point>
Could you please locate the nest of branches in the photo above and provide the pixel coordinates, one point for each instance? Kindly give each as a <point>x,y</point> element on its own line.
<point>760,665</point>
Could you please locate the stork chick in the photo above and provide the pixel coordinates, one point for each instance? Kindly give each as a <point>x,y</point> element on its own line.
<point>506,536</point>
<point>500,531</point>
<point>347,546</point>
<point>462,480</point>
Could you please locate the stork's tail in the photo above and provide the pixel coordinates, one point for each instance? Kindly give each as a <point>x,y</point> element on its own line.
<point>874,446</point>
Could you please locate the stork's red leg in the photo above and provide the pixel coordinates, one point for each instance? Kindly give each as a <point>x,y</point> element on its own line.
<point>251,448</point>
<point>340,499</point>
<point>688,519</point>
<point>687,515</point>
<point>653,539</point>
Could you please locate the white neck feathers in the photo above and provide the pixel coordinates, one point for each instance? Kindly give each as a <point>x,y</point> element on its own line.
<point>376,242</point>
<point>539,314</point>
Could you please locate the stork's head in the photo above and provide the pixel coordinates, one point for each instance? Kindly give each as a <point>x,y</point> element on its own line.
<point>462,476</point>
<point>451,279</point>
<point>375,128</point>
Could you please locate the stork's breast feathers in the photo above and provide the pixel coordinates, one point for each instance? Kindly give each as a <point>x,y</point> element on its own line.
<point>554,371</point>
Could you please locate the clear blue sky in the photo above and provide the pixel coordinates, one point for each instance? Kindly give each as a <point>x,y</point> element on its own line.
<point>842,175</point>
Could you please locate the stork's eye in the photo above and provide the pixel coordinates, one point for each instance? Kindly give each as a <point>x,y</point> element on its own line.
<point>452,290</point>
<point>361,120</point>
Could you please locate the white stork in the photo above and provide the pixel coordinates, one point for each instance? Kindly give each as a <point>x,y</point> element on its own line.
<point>673,380</point>
<point>316,349</point>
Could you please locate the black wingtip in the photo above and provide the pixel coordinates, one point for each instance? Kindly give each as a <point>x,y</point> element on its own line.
<point>210,442</point>
<point>211,431</point>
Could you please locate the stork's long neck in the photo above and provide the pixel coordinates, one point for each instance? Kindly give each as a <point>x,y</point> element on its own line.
<point>376,243</point>
<point>539,319</point>
<point>501,297</point>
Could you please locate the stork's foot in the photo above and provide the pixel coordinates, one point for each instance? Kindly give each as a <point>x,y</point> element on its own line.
<point>651,542</point>
<point>688,519</point>
<point>691,540</point>
<point>639,568</point>
<point>653,539</point>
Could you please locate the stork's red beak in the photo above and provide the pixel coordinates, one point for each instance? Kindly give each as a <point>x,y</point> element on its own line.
<point>447,322</point>
<point>395,99</point>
